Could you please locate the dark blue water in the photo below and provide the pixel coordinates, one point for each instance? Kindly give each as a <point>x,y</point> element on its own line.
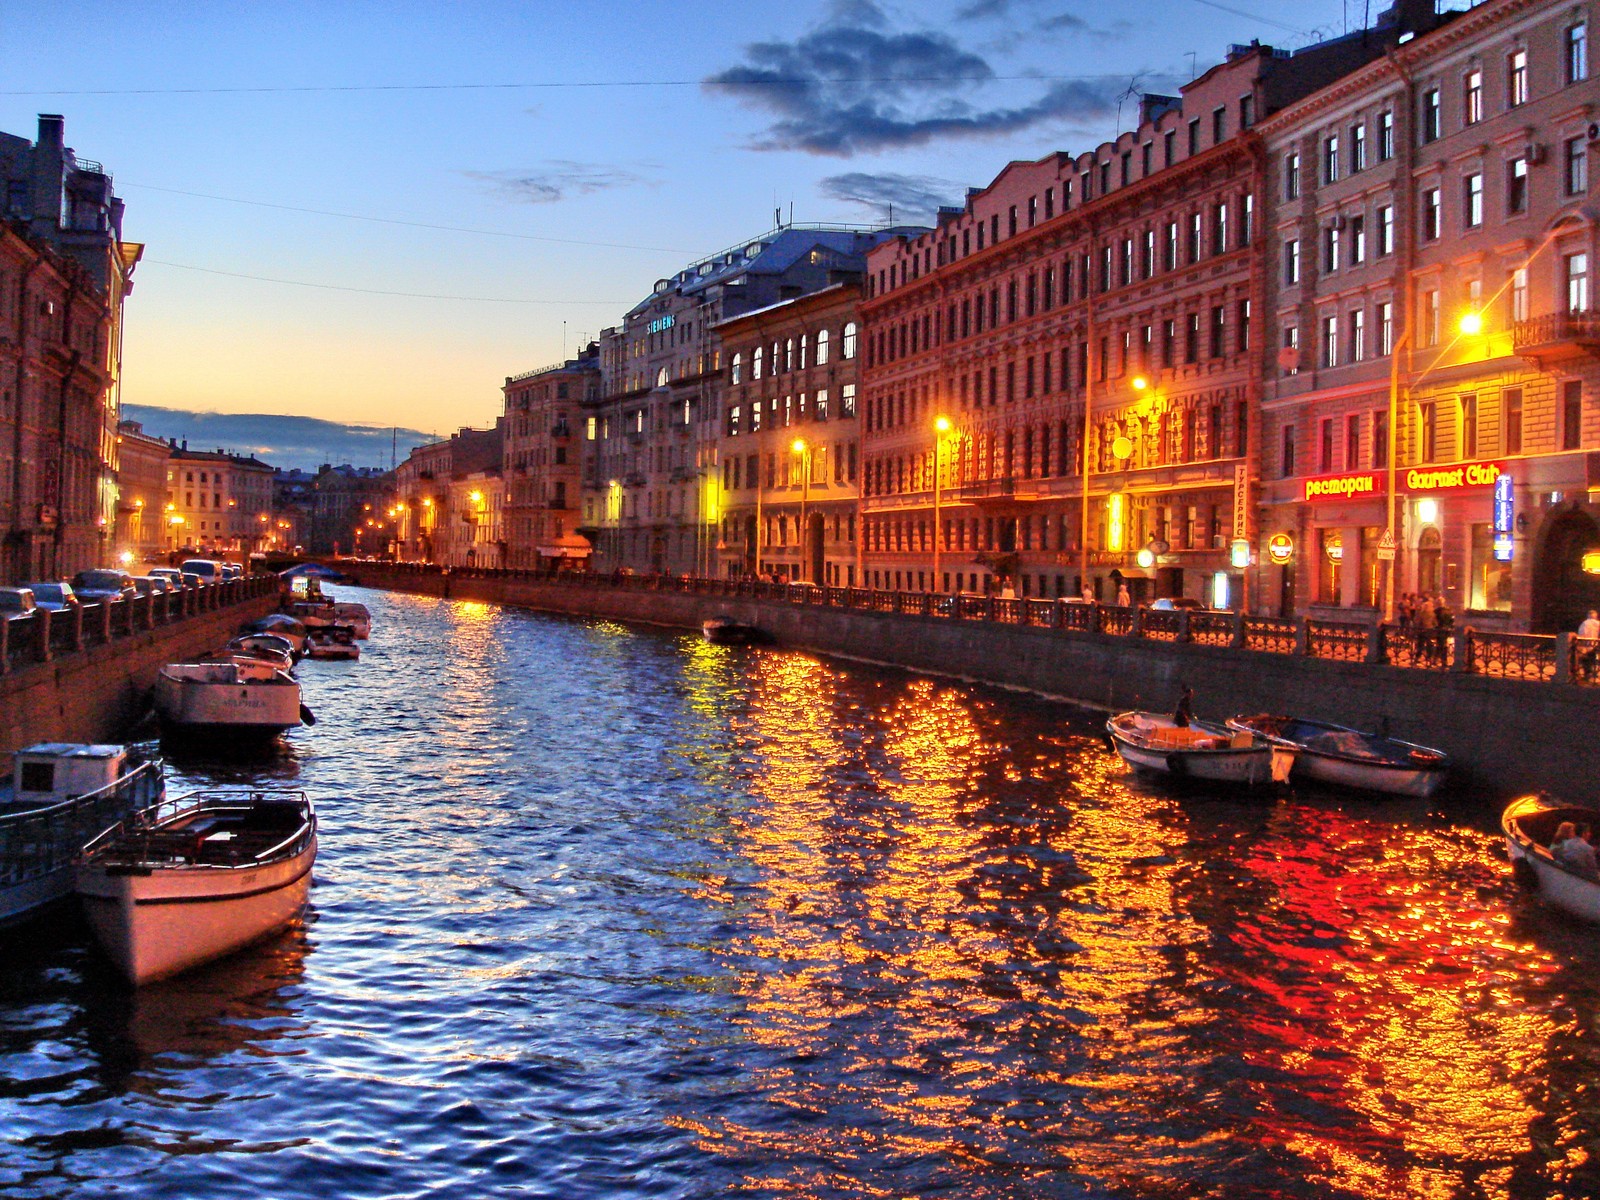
<point>609,912</point>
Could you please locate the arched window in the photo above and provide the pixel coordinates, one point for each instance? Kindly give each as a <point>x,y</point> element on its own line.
<point>755,364</point>
<point>804,343</point>
<point>737,369</point>
<point>822,347</point>
<point>849,347</point>
<point>788,355</point>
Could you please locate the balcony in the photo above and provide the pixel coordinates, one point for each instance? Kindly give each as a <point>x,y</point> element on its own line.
<point>1006,489</point>
<point>1558,337</point>
<point>633,479</point>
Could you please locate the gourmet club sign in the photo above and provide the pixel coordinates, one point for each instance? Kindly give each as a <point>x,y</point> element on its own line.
<point>1345,487</point>
<point>1459,475</point>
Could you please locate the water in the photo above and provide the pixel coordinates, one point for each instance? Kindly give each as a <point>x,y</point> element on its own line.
<point>610,912</point>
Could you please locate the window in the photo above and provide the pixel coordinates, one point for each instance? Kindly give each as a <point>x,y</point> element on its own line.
<point>1358,334</point>
<point>1330,247</point>
<point>1219,228</point>
<point>1191,338</point>
<point>1330,342</point>
<point>1511,409</point>
<point>1170,255</point>
<point>1469,425</point>
<point>822,347</point>
<point>1247,111</point>
<point>1291,176</point>
<point>1194,136</point>
<point>1577,52</point>
<point>1431,217</point>
<point>1286,455</point>
<point>1219,330</point>
<point>1472,98</point>
<point>1428,317</point>
<point>1247,227</point>
<point>1516,78</point>
<point>1519,294</point>
<point>1385,230</point>
<point>1358,147</point>
<point>1291,261</point>
<point>1430,115</point>
<point>1427,431</point>
<point>1244,326</point>
<point>1576,172</point>
<point>1472,200</point>
<point>1194,237</point>
<point>1352,441</point>
<point>1385,136</point>
<point>1517,186</point>
<point>848,349</point>
<point>1357,228</point>
<point>755,363</point>
<point>1380,439</point>
<point>1386,328</point>
<point>736,369</point>
<point>1577,272</point>
<point>1572,414</point>
<point>1169,151</point>
<point>1325,458</point>
<point>1330,158</point>
<point>1219,125</point>
<point>1290,358</point>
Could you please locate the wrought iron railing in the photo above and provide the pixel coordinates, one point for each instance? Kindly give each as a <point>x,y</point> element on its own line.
<point>1161,625</point>
<point>1511,655</point>
<point>1270,634</point>
<point>1337,639</point>
<point>1212,629</point>
<point>1408,646</point>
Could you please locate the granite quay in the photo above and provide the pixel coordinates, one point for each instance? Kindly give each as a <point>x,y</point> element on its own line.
<point>86,674</point>
<point>1508,707</point>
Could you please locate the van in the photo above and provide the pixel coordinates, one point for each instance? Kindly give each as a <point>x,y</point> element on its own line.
<point>208,569</point>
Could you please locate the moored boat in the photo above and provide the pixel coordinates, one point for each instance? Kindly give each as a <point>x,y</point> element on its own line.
<point>1199,750</point>
<point>63,794</point>
<point>1529,825</point>
<point>182,883</point>
<point>265,647</point>
<point>725,631</point>
<point>1337,754</point>
<point>231,699</point>
<point>332,642</point>
<point>356,617</point>
<point>284,626</point>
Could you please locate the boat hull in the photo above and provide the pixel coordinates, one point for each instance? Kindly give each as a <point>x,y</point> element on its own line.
<point>209,710</point>
<point>1138,740</point>
<point>168,920</point>
<point>1555,884</point>
<point>1389,779</point>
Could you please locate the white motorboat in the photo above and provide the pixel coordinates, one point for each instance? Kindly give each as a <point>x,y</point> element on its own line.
<point>356,617</point>
<point>232,699</point>
<point>1199,750</point>
<point>270,647</point>
<point>63,794</point>
<point>332,643</point>
<point>1347,757</point>
<point>189,881</point>
<point>1529,824</point>
<point>284,626</point>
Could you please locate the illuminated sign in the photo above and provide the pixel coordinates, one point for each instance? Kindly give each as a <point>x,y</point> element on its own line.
<point>662,323</point>
<point>1504,517</point>
<point>1333,547</point>
<point>1344,487</point>
<point>1239,556</point>
<point>1116,517</point>
<point>1443,479</point>
<point>1280,548</point>
<point>1591,563</point>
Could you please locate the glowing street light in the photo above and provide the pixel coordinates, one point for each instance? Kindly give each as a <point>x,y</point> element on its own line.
<point>941,427</point>
<point>1471,323</point>
<point>804,451</point>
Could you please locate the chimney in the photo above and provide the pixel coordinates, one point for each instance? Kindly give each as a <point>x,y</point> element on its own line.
<point>52,131</point>
<point>185,443</point>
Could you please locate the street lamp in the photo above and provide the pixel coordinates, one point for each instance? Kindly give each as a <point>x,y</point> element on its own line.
<point>804,451</point>
<point>941,427</point>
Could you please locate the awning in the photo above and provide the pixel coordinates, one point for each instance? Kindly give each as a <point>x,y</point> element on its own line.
<point>572,545</point>
<point>1133,572</point>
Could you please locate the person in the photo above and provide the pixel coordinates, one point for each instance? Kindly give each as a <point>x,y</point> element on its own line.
<point>1589,657</point>
<point>1124,600</point>
<point>1444,621</point>
<point>1088,593</point>
<point>1574,852</point>
<point>1424,621</point>
<point>1184,713</point>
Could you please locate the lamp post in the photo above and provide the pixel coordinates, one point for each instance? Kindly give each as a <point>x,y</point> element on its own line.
<point>804,451</point>
<point>941,427</point>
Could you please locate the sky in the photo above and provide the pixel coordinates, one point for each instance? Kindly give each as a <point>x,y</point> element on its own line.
<point>476,187</point>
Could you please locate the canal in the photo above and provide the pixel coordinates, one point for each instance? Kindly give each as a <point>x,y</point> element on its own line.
<point>605,911</point>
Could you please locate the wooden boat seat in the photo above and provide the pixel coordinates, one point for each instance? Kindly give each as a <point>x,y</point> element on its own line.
<point>1174,737</point>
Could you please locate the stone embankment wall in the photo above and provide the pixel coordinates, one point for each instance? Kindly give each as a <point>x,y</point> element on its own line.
<point>90,680</point>
<point>1507,735</point>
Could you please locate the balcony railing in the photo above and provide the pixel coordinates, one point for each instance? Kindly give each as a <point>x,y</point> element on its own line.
<point>1556,336</point>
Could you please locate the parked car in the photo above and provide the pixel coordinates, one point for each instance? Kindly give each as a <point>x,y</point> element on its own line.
<point>152,585</point>
<point>1174,603</point>
<point>16,602</point>
<point>208,570</point>
<point>55,596</point>
<point>105,584</point>
<point>231,570</point>
<point>190,579</point>
<point>172,575</point>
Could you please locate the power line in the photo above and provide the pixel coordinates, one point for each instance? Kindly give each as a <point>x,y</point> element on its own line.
<point>339,287</point>
<point>1239,12</point>
<point>776,81</point>
<point>328,212</point>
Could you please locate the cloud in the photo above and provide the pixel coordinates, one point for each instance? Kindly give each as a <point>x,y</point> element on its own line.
<point>982,10</point>
<point>279,439</point>
<point>854,86</point>
<point>908,197</point>
<point>556,181</point>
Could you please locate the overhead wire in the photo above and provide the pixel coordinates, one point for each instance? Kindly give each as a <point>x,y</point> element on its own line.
<point>339,287</point>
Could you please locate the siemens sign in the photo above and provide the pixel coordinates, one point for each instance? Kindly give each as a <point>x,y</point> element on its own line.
<point>662,323</point>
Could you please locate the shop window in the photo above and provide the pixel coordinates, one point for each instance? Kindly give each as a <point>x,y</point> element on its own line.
<point>1430,550</point>
<point>1490,588</point>
<point>1330,564</point>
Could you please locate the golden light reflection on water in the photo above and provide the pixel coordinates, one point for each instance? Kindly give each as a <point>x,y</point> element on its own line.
<point>988,948</point>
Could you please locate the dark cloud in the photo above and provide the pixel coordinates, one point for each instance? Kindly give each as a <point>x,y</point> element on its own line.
<point>1066,23</point>
<point>281,441</point>
<point>852,86</point>
<point>905,198</point>
<point>982,10</point>
<point>556,181</point>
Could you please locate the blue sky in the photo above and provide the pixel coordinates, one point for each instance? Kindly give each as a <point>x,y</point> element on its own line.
<point>652,169</point>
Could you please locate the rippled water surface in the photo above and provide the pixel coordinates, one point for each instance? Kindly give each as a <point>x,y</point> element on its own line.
<point>610,912</point>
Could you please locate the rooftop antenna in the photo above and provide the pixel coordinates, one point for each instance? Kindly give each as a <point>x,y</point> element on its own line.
<point>1131,90</point>
<point>1191,64</point>
<point>777,217</point>
<point>563,341</point>
<point>394,443</point>
<point>791,213</point>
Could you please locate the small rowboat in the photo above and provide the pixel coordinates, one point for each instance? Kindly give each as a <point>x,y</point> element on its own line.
<point>1200,750</point>
<point>725,631</point>
<point>1529,824</point>
<point>186,882</point>
<point>1348,757</point>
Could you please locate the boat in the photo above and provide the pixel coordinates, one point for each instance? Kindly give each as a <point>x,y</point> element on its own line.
<point>356,616</point>
<point>314,613</point>
<point>1529,824</point>
<point>333,642</point>
<point>1199,750</point>
<point>267,647</point>
<point>229,699</point>
<point>184,882</point>
<point>284,626</point>
<point>725,631</point>
<point>1348,757</point>
<point>63,794</point>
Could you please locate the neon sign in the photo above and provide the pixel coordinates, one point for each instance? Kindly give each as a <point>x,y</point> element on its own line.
<point>1504,517</point>
<point>1280,548</point>
<point>1344,487</point>
<point>1443,479</point>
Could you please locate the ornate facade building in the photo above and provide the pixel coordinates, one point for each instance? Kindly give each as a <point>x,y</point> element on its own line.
<point>544,422</point>
<point>64,273</point>
<point>141,527</point>
<point>448,501</point>
<point>217,503</point>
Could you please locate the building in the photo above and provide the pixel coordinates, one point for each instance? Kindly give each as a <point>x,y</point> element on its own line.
<point>789,457</point>
<point>217,503</point>
<point>1432,400</point>
<point>141,493</point>
<point>652,473</point>
<point>449,501</point>
<point>544,415</point>
<point>64,274</point>
<point>349,509</point>
<point>1062,381</point>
